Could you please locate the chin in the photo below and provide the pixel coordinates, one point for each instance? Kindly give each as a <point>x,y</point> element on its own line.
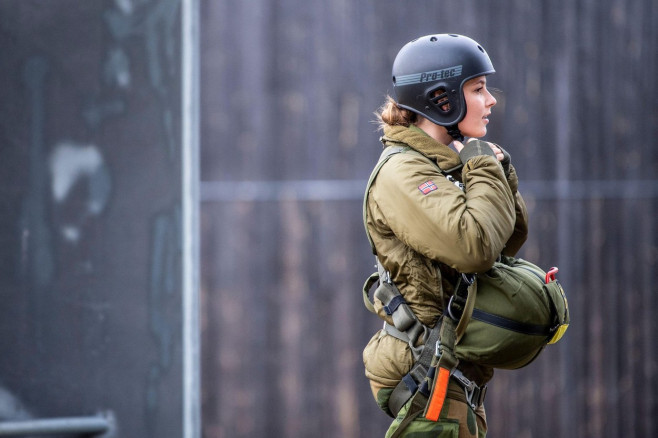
<point>477,134</point>
<point>478,130</point>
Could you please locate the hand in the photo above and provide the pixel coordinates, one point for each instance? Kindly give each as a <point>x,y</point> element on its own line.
<point>475,147</point>
<point>500,153</point>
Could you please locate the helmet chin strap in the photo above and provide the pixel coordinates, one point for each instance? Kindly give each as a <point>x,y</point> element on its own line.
<point>454,132</point>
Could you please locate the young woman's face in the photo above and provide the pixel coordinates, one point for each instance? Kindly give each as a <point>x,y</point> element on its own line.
<point>478,107</point>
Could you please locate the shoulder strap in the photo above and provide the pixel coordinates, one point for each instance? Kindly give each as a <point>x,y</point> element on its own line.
<point>383,158</point>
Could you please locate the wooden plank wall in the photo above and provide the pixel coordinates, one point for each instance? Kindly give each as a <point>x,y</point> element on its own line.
<point>288,92</point>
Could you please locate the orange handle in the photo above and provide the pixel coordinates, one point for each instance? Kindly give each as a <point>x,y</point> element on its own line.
<point>438,395</point>
<point>550,275</point>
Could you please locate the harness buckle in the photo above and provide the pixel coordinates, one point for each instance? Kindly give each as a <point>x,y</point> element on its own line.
<point>474,393</point>
<point>457,302</point>
<point>456,314</point>
<point>438,350</point>
<point>468,278</point>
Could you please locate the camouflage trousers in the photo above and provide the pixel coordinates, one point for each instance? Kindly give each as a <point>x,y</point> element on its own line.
<point>457,420</point>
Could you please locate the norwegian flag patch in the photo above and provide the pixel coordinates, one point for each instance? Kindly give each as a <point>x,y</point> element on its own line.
<point>427,187</point>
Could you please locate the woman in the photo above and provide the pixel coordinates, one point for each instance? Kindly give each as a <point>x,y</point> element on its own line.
<point>453,208</point>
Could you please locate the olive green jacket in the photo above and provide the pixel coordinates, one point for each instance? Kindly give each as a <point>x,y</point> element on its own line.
<point>426,230</point>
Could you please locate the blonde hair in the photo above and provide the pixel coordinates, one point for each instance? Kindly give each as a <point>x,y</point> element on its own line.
<point>391,114</point>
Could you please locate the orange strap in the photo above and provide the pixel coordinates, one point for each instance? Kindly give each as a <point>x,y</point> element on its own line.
<point>438,394</point>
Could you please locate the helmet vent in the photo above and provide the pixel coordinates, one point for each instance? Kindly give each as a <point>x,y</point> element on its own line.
<point>433,39</point>
<point>481,49</point>
<point>440,100</point>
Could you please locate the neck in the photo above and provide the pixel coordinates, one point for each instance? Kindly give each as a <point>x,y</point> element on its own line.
<point>437,132</point>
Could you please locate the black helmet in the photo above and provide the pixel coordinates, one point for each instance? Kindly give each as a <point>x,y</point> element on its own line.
<point>438,62</point>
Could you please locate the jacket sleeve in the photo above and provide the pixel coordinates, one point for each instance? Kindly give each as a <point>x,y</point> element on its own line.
<point>520,233</point>
<point>466,230</point>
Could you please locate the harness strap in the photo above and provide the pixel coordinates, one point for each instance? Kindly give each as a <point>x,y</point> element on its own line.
<point>418,374</point>
<point>406,388</point>
<point>394,304</point>
<point>413,381</point>
<point>403,317</point>
<point>392,331</point>
<point>370,281</point>
<point>415,409</point>
<point>445,363</point>
<point>474,395</point>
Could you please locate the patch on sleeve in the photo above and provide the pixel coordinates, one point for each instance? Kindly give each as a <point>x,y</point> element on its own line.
<point>427,187</point>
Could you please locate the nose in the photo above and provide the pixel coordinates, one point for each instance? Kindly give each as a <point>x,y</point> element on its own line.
<point>491,101</point>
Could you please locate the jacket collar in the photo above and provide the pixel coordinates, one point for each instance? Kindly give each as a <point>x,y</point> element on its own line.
<point>445,157</point>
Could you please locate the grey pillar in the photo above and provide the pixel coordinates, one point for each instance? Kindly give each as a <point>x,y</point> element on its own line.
<point>98,216</point>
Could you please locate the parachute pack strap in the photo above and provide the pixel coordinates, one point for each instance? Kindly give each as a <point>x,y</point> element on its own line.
<point>445,363</point>
<point>469,285</point>
<point>515,326</point>
<point>383,158</point>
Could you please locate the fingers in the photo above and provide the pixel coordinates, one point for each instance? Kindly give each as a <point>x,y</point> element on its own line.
<point>500,156</point>
<point>457,145</point>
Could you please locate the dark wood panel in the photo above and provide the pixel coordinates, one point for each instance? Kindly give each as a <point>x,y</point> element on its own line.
<point>289,93</point>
